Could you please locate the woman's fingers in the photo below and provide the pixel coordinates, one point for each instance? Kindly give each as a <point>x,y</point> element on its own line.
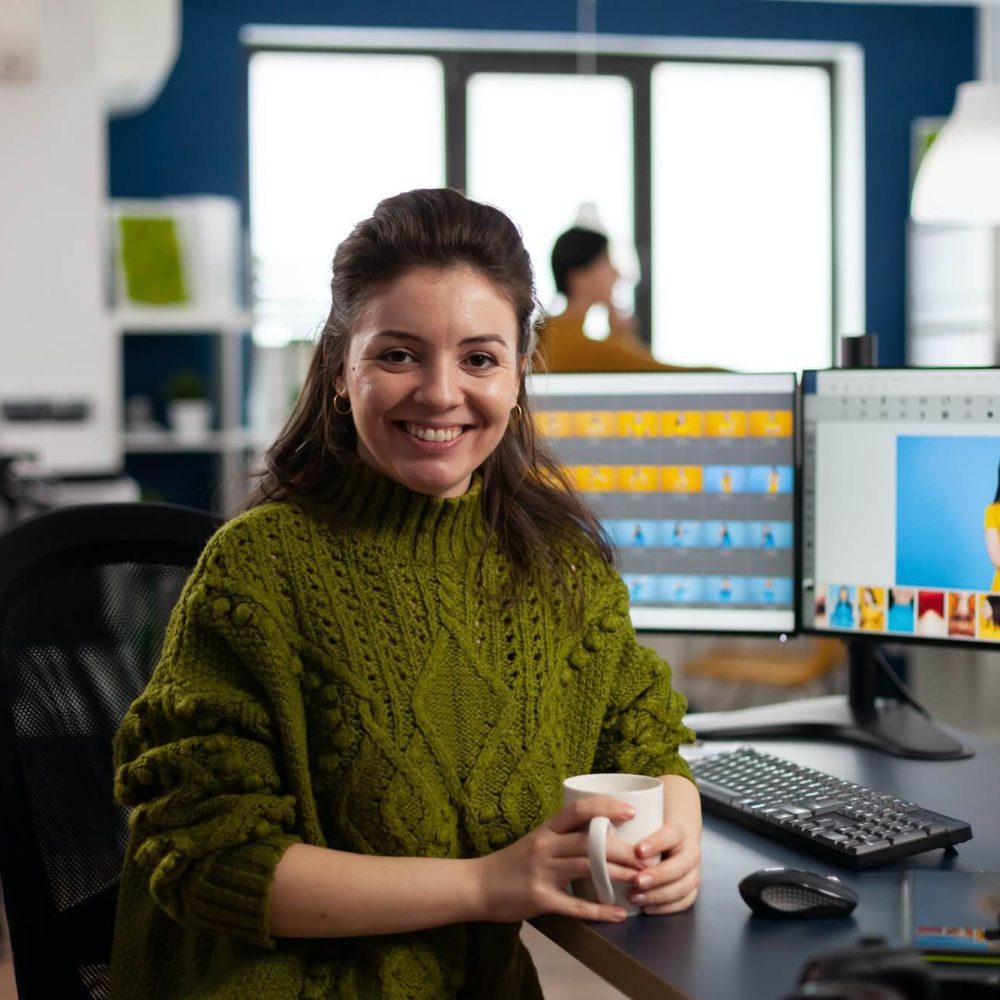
<point>669,897</point>
<point>672,866</point>
<point>567,870</point>
<point>619,852</point>
<point>575,815</point>
<point>662,841</point>
<point>676,907</point>
<point>583,909</point>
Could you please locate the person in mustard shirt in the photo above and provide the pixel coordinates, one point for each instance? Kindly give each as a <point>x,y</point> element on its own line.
<point>870,612</point>
<point>989,616</point>
<point>991,525</point>
<point>586,276</point>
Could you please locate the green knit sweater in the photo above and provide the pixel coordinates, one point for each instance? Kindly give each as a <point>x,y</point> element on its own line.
<point>347,682</point>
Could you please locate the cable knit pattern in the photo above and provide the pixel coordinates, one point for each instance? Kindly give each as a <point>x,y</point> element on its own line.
<point>350,682</point>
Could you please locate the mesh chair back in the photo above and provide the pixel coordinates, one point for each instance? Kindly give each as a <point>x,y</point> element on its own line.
<point>85,595</point>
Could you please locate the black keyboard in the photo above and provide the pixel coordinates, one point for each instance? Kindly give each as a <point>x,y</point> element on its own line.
<point>840,821</point>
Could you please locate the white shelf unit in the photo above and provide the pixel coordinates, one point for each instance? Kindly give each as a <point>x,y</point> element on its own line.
<point>232,442</point>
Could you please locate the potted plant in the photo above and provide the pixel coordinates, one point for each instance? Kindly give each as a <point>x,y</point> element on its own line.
<point>189,412</point>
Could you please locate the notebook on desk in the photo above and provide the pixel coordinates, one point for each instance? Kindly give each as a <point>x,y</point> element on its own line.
<point>953,916</point>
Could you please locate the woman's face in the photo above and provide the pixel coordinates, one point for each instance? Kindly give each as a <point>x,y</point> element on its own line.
<point>432,375</point>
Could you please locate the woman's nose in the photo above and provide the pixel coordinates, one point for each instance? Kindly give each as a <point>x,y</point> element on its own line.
<point>439,386</point>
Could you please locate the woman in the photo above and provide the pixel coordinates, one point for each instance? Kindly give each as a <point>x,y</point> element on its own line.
<point>346,771</point>
<point>871,616</point>
<point>843,610</point>
<point>991,526</point>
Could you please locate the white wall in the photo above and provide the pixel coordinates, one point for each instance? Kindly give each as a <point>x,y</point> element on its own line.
<point>56,341</point>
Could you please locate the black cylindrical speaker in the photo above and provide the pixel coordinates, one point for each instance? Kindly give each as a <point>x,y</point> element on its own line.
<point>860,351</point>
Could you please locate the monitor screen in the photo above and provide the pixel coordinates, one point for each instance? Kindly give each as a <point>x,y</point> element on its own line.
<point>900,504</point>
<point>693,477</point>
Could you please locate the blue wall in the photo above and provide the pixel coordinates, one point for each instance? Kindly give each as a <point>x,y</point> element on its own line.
<point>193,139</point>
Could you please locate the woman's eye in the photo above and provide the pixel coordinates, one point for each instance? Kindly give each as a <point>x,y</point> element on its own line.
<point>396,356</point>
<point>481,361</point>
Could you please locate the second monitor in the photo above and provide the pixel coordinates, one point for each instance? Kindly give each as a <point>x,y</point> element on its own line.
<point>693,477</point>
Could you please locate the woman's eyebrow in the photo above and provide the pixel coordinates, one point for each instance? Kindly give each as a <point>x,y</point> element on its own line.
<point>479,338</point>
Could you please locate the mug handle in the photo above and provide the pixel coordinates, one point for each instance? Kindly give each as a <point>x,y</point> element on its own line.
<point>597,854</point>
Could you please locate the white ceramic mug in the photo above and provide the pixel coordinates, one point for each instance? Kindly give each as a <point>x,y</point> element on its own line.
<point>645,795</point>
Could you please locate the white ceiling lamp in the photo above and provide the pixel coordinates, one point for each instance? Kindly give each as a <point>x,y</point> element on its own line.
<point>958,180</point>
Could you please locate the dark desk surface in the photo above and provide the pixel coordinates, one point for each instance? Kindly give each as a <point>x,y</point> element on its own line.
<point>718,951</point>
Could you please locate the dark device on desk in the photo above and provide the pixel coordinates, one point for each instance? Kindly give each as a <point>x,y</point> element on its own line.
<point>873,970</point>
<point>840,821</point>
<point>794,892</point>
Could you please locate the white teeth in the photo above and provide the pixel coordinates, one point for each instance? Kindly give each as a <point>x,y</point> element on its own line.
<point>432,434</point>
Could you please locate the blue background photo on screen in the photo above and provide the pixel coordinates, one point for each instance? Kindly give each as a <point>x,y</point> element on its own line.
<point>902,602</point>
<point>779,533</point>
<point>840,606</point>
<point>769,479</point>
<point>638,533</point>
<point>726,589</point>
<point>943,487</point>
<point>680,589</point>
<point>771,589</point>
<point>714,475</point>
<point>724,534</point>
<point>682,534</point>
<point>642,588</point>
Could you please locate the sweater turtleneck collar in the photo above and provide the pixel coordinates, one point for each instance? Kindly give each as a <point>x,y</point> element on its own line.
<point>370,502</point>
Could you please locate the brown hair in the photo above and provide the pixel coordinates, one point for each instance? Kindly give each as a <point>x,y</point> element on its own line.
<point>529,504</point>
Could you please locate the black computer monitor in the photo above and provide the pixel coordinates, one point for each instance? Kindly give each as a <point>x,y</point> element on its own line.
<point>693,477</point>
<point>900,525</point>
<point>900,541</point>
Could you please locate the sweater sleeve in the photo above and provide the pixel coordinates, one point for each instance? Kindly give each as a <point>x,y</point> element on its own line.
<point>212,760</point>
<point>642,726</point>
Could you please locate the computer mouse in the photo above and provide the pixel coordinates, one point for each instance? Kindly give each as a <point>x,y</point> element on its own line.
<point>792,892</point>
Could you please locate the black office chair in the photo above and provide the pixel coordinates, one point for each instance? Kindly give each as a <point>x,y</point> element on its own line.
<point>85,595</point>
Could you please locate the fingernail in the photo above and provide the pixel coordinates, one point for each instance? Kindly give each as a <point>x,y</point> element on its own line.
<point>620,915</point>
<point>643,849</point>
<point>644,881</point>
<point>629,811</point>
<point>639,898</point>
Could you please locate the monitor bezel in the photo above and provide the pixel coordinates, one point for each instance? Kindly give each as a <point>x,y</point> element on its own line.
<point>779,634</point>
<point>859,635</point>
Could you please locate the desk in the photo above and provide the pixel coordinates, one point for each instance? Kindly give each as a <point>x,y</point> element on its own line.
<point>717,951</point>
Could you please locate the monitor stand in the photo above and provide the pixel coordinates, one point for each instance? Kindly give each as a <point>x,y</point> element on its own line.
<point>884,724</point>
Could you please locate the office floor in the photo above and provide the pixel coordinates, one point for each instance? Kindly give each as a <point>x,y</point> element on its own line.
<point>959,687</point>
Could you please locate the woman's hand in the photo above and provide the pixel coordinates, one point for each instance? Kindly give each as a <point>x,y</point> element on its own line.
<point>531,875</point>
<point>671,884</point>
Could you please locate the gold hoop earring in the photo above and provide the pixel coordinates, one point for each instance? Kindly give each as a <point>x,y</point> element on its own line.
<point>338,398</point>
<point>515,420</point>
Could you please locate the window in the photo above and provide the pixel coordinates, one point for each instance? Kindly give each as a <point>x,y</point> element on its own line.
<point>541,180</point>
<point>742,216</point>
<point>319,163</point>
<point>712,163</point>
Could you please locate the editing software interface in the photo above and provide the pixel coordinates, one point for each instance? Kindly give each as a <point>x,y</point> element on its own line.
<point>692,476</point>
<point>901,503</point>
